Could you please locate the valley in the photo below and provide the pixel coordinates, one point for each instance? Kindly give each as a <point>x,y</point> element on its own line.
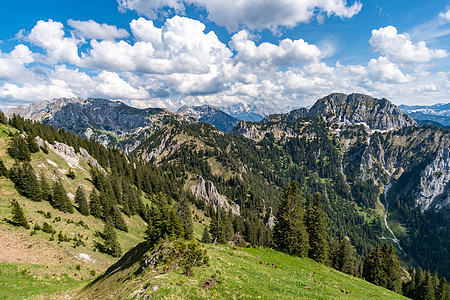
<point>380,177</point>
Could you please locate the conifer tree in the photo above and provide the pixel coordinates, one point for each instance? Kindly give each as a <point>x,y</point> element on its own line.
<point>393,269</point>
<point>46,192</point>
<point>32,145</point>
<point>346,257</point>
<point>2,118</point>
<point>442,290</point>
<point>60,199</point>
<point>315,226</point>
<point>206,238</point>
<point>290,231</point>
<point>426,289</point>
<point>80,199</point>
<point>184,213</point>
<point>19,148</point>
<point>18,217</point>
<point>111,245</point>
<point>3,169</point>
<point>95,208</point>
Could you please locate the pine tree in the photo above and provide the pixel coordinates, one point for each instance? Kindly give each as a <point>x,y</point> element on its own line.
<point>60,199</point>
<point>290,231</point>
<point>18,217</point>
<point>3,169</point>
<point>315,226</point>
<point>95,208</point>
<point>111,245</point>
<point>426,289</point>
<point>346,258</point>
<point>206,238</point>
<point>442,290</point>
<point>2,118</point>
<point>46,192</point>
<point>393,270</point>
<point>184,213</point>
<point>19,149</point>
<point>80,199</point>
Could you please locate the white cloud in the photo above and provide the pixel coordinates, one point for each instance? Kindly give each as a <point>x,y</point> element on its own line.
<point>287,53</point>
<point>33,92</point>
<point>445,16</point>
<point>50,36</point>
<point>113,87</point>
<point>12,65</point>
<point>399,48</point>
<point>381,69</point>
<point>180,46</point>
<point>93,30</point>
<point>254,14</point>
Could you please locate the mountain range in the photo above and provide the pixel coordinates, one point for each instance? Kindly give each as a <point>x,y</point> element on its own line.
<point>438,113</point>
<point>348,148</point>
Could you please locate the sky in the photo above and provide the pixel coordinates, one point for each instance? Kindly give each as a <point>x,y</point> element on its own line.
<point>169,53</point>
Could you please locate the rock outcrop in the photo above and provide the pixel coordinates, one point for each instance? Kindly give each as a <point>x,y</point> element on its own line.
<point>207,191</point>
<point>434,188</point>
<point>377,114</point>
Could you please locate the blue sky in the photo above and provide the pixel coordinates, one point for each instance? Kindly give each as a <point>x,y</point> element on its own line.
<point>168,53</point>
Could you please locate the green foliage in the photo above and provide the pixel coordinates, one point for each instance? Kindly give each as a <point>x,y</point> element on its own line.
<point>185,216</point>
<point>317,232</point>
<point>424,286</point>
<point>46,227</point>
<point>59,199</point>
<point>346,257</point>
<point>25,181</point>
<point>18,217</point>
<point>110,244</point>
<point>206,238</point>
<point>19,148</point>
<point>290,231</point>
<point>95,205</point>
<point>80,199</point>
<point>3,170</point>
<point>163,222</point>
<point>2,118</point>
<point>381,267</point>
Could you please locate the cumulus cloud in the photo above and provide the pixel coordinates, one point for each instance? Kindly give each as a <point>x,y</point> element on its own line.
<point>381,69</point>
<point>93,30</point>
<point>399,48</point>
<point>253,14</point>
<point>50,36</point>
<point>287,53</point>
<point>12,65</point>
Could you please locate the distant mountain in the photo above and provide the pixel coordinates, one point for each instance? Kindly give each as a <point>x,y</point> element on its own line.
<point>211,115</point>
<point>253,112</point>
<point>342,109</point>
<point>101,119</point>
<point>439,113</point>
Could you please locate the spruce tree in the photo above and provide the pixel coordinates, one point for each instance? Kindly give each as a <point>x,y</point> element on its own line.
<point>206,238</point>
<point>80,199</point>
<point>426,289</point>
<point>46,192</point>
<point>111,245</point>
<point>393,270</point>
<point>60,199</point>
<point>18,217</point>
<point>2,118</point>
<point>442,290</point>
<point>19,148</point>
<point>95,208</point>
<point>185,215</point>
<point>290,231</point>
<point>346,257</point>
<point>3,169</point>
<point>315,226</point>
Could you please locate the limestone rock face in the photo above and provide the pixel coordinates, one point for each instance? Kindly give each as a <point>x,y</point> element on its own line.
<point>207,191</point>
<point>434,188</point>
<point>211,115</point>
<point>377,114</point>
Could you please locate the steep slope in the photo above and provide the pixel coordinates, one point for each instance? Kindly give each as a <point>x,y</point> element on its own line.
<point>233,272</point>
<point>254,112</point>
<point>103,120</point>
<point>379,114</point>
<point>211,115</point>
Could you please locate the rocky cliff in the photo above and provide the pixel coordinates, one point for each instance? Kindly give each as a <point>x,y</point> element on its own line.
<point>377,114</point>
<point>207,191</point>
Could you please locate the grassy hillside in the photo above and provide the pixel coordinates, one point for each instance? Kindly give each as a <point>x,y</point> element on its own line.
<point>234,273</point>
<point>31,263</point>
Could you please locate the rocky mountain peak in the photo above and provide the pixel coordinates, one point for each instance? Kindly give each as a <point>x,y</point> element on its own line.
<point>377,114</point>
<point>211,115</point>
